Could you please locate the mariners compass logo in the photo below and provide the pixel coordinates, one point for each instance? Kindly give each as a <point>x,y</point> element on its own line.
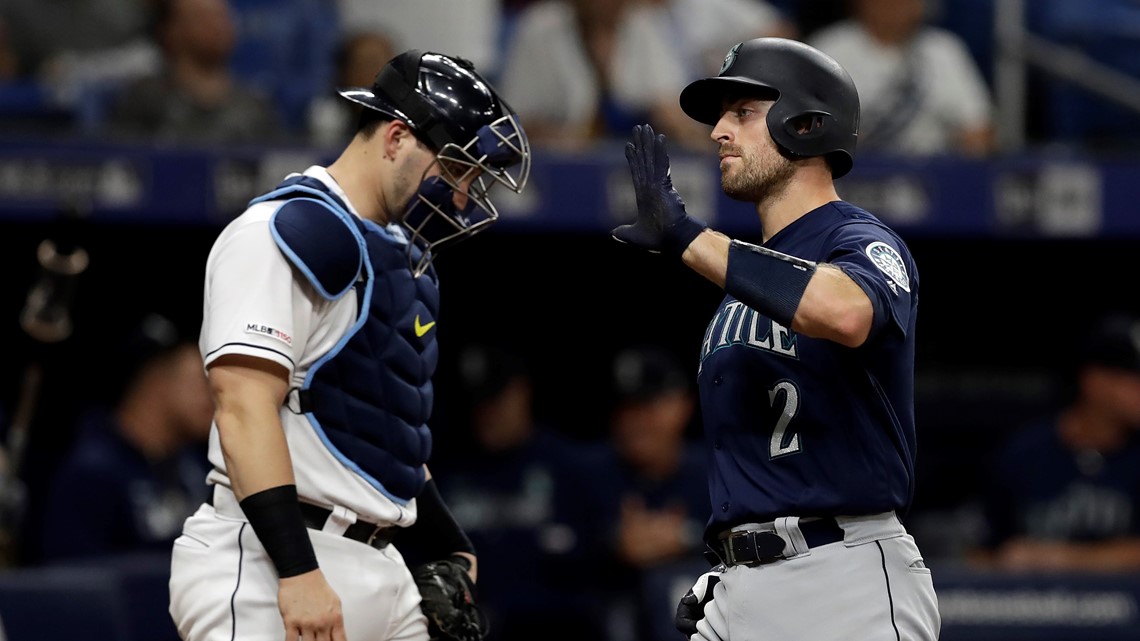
<point>888,260</point>
<point>729,59</point>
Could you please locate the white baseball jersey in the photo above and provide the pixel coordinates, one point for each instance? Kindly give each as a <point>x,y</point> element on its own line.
<point>257,304</point>
<point>223,585</point>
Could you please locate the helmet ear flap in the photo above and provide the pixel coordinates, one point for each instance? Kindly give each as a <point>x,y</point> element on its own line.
<point>803,133</point>
<point>808,125</point>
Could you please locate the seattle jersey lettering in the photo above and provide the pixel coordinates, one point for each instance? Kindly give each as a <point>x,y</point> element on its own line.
<point>737,324</point>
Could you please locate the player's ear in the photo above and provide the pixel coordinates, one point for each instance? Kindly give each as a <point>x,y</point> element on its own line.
<point>395,135</point>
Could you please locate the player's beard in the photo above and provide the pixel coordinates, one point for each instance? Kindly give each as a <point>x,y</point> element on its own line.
<point>758,177</point>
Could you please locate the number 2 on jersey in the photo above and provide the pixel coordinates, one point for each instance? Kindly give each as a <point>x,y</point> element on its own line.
<point>784,441</point>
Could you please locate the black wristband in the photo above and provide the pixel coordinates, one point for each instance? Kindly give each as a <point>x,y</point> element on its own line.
<point>275,515</point>
<point>682,233</point>
<point>768,281</point>
<point>435,534</point>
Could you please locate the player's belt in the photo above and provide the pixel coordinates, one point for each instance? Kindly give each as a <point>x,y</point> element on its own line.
<point>757,547</point>
<point>378,536</point>
<point>315,517</point>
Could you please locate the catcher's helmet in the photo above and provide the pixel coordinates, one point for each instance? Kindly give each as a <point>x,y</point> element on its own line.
<point>451,107</point>
<point>804,82</point>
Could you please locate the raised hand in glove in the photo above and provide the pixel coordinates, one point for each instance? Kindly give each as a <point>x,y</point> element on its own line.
<point>447,599</point>
<point>696,617</point>
<point>662,224</point>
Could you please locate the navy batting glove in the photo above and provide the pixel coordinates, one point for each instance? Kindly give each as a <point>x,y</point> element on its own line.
<point>662,224</point>
<point>691,609</point>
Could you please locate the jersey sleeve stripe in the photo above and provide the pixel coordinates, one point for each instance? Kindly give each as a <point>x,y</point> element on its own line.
<point>248,349</point>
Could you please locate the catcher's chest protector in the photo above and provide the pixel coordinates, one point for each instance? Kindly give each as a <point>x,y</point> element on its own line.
<point>370,397</point>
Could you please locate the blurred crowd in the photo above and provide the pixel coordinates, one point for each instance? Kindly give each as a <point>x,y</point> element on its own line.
<point>577,71</point>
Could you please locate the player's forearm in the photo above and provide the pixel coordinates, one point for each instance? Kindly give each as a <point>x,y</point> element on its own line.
<point>832,306</point>
<point>465,552</point>
<point>435,534</point>
<point>708,256</point>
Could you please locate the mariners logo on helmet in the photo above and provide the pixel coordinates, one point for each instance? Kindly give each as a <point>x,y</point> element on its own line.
<point>729,58</point>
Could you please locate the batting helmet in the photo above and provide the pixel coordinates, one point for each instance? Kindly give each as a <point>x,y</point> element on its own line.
<point>805,83</point>
<point>477,136</point>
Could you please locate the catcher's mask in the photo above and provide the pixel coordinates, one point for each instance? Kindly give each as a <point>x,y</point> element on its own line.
<point>478,139</point>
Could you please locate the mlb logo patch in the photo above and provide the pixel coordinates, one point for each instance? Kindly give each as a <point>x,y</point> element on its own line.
<point>266,330</point>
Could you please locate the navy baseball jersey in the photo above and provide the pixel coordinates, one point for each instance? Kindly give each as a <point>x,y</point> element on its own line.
<point>124,500</point>
<point>1043,489</point>
<point>800,426</point>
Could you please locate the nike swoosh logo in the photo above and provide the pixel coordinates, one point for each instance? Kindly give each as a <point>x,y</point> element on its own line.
<point>422,329</point>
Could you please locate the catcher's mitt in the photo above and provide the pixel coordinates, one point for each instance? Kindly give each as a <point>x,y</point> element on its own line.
<point>447,599</point>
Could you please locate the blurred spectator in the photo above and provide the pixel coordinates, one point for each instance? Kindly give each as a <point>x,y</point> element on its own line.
<point>136,470</point>
<point>75,45</point>
<point>810,16</point>
<point>9,60</point>
<point>709,28</point>
<point>664,506</point>
<point>506,486</point>
<point>1065,491</point>
<point>650,489</point>
<point>194,98</point>
<point>580,71</point>
<point>26,106</point>
<point>284,50</point>
<point>332,119</point>
<point>470,29</point>
<point>921,90</point>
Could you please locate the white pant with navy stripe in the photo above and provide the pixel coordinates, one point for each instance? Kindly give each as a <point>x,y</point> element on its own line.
<point>223,586</point>
<point>872,586</point>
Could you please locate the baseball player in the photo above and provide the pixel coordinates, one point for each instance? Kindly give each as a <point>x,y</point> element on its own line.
<point>1064,488</point>
<point>320,312</point>
<point>806,369</point>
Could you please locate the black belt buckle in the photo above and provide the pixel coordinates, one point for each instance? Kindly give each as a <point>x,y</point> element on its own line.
<point>380,538</point>
<point>730,549</point>
<point>758,547</point>
<point>752,548</point>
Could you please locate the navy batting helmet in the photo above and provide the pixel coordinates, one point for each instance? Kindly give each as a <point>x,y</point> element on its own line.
<point>477,136</point>
<point>806,84</point>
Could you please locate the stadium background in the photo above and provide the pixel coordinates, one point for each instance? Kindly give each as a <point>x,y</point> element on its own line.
<point>1017,253</point>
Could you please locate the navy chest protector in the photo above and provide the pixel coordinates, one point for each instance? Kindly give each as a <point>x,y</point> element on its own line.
<point>369,398</point>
